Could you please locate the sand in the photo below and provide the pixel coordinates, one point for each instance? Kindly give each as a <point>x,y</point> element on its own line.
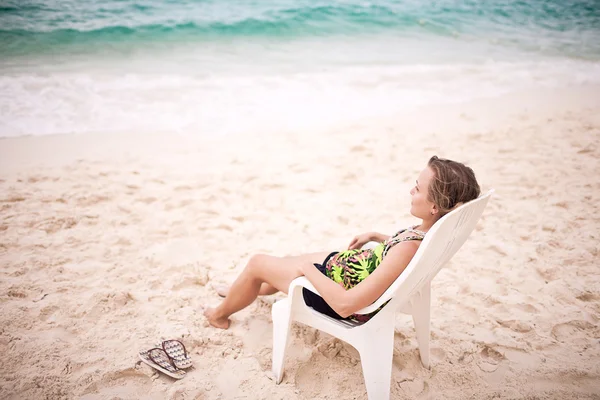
<point>109,242</point>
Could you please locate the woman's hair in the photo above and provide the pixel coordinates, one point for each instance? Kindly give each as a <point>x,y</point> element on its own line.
<point>453,183</point>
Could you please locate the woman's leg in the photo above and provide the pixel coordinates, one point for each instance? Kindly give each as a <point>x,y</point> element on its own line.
<point>278,272</point>
<point>265,290</point>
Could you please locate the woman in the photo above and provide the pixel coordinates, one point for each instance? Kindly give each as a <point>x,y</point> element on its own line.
<point>355,278</point>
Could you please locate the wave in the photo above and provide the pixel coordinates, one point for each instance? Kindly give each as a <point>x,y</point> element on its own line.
<point>101,101</point>
<point>278,15</point>
<point>321,19</point>
<point>36,27</point>
<point>290,23</point>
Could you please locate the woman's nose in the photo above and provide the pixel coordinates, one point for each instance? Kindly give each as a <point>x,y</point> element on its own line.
<point>412,191</point>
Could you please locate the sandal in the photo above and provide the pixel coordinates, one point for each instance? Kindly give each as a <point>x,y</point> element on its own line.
<point>158,359</point>
<point>177,353</point>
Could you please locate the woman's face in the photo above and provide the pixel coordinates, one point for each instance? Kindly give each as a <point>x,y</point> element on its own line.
<point>421,207</point>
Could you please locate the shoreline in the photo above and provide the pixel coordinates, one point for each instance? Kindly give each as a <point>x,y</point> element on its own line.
<point>474,116</point>
<point>126,101</point>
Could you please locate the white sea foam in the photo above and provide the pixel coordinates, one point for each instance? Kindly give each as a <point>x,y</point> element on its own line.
<point>99,100</point>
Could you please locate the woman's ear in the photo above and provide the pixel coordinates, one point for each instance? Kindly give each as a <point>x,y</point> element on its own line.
<point>434,210</point>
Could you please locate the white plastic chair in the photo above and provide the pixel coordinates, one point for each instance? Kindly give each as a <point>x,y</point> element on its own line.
<point>409,294</point>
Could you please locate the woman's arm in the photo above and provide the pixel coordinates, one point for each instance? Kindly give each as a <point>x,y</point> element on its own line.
<point>364,238</point>
<point>347,302</point>
<point>379,237</point>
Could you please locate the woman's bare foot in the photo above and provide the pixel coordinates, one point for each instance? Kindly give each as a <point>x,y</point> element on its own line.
<point>221,323</point>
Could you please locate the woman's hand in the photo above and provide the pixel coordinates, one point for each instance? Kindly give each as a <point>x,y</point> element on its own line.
<point>360,240</point>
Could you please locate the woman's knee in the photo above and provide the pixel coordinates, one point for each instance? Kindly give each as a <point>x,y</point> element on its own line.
<point>256,263</point>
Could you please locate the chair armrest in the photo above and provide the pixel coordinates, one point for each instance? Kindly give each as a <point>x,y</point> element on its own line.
<point>302,282</point>
<point>370,245</point>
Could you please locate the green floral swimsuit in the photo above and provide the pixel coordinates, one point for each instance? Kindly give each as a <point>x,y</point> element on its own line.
<point>351,267</point>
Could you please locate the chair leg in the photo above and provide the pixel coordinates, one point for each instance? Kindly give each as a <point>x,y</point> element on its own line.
<point>421,316</point>
<point>281,314</point>
<point>376,360</point>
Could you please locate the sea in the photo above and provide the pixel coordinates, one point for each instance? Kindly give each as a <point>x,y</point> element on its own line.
<point>215,67</point>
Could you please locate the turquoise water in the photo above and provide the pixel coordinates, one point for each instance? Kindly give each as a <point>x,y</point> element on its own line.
<point>188,66</point>
<point>544,26</point>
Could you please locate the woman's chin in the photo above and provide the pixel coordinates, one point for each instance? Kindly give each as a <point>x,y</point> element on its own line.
<point>414,214</point>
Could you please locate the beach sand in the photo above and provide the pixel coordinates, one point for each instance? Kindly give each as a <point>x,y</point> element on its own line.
<point>109,242</point>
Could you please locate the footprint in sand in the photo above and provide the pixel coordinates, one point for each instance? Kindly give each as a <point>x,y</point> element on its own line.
<point>193,276</point>
<point>264,358</point>
<point>133,383</point>
<point>515,325</point>
<point>101,303</point>
<point>414,387</point>
<point>330,349</point>
<point>13,199</point>
<point>588,296</point>
<point>314,378</point>
<point>490,354</point>
<point>47,313</point>
<point>568,331</point>
<point>17,293</point>
<point>466,358</point>
<point>528,308</point>
<point>53,225</point>
<point>490,359</point>
<point>92,200</point>
<point>19,272</point>
<point>562,204</point>
<point>309,335</point>
<point>548,274</point>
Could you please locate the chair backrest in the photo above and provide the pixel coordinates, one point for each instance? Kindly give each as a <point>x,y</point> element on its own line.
<point>441,242</point>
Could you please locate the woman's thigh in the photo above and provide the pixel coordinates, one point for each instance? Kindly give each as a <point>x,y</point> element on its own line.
<point>279,272</point>
<point>313,258</point>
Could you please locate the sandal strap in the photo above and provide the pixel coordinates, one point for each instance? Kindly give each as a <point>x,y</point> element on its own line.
<point>168,364</point>
<point>185,353</point>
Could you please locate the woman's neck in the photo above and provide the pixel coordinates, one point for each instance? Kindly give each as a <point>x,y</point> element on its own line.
<point>424,226</point>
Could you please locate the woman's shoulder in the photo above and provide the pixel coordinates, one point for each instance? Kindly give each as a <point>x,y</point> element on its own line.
<point>404,247</point>
<point>409,233</point>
